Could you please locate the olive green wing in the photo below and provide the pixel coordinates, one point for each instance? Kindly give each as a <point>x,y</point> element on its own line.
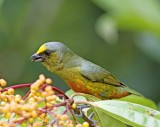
<point>96,73</point>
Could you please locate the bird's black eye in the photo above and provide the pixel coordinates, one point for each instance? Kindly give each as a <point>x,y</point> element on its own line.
<point>47,53</point>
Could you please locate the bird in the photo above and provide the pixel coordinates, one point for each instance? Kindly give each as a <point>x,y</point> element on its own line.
<point>80,74</point>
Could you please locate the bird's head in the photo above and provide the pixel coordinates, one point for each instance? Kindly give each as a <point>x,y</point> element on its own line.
<point>51,53</point>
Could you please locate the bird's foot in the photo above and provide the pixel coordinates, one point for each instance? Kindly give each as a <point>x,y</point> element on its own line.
<point>93,121</point>
<point>80,108</point>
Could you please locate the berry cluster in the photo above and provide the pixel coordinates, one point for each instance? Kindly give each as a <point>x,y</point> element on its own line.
<point>43,105</point>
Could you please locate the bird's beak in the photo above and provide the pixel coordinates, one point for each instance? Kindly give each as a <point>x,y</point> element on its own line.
<point>37,58</point>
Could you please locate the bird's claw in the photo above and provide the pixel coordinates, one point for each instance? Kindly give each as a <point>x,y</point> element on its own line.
<point>81,107</point>
<point>93,121</point>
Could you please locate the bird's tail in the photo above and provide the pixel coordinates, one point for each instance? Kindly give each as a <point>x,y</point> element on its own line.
<point>134,92</point>
<point>129,90</point>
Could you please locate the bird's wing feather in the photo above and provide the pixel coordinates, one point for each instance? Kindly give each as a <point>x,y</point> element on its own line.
<point>95,73</point>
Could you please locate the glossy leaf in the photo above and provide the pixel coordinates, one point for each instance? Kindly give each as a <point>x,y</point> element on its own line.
<point>130,113</point>
<point>140,100</point>
<point>103,119</point>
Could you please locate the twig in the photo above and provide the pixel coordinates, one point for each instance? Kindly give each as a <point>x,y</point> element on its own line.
<point>26,95</point>
<point>16,87</point>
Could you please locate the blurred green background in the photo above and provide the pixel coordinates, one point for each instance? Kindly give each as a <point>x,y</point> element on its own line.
<point>119,35</point>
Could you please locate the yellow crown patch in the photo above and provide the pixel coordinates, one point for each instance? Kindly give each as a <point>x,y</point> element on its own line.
<point>41,49</point>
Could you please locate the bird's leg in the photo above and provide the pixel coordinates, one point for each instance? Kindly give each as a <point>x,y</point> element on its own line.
<point>80,108</point>
<point>91,115</point>
<point>90,118</point>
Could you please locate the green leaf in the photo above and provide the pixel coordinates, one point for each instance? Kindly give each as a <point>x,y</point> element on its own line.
<point>121,112</point>
<point>129,113</point>
<point>24,124</point>
<point>77,98</point>
<point>139,100</point>
<point>135,15</point>
<point>107,28</point>
<point>103,119</point>
<point>2,118</point>
<point>158,105</point>
<point>41,104</point>
<point>99,114</point>
<point>90,97</point>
